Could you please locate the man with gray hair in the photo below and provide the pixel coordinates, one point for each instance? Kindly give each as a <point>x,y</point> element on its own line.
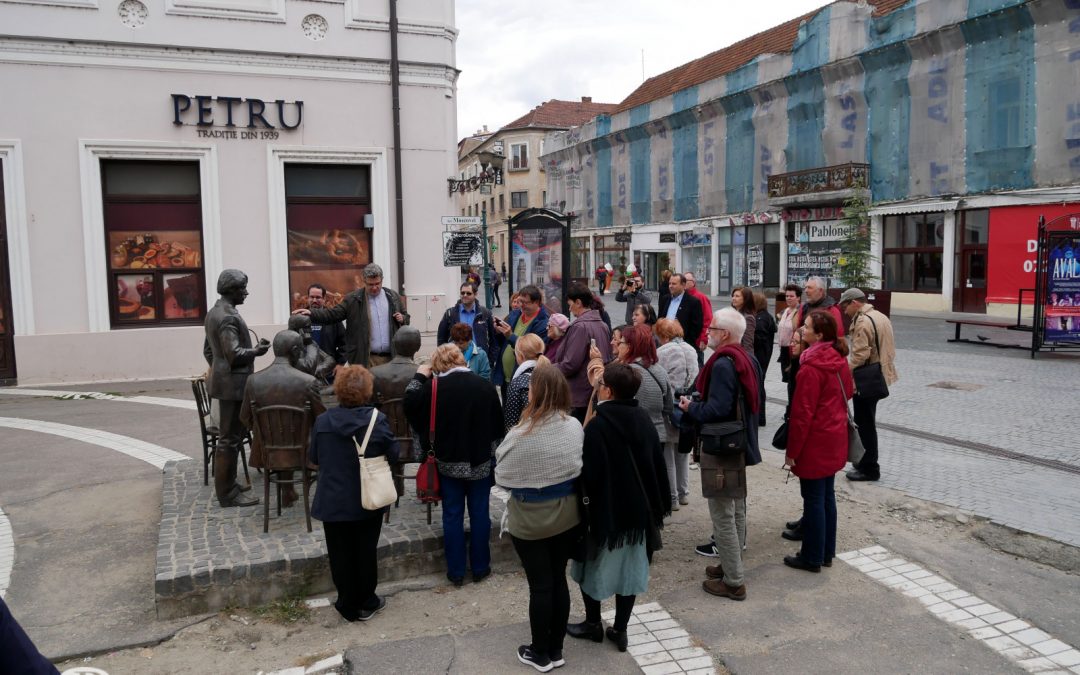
<point>729,389</point>
<point>373,315</point>
<point>227,348</point>
<point>817,297</point>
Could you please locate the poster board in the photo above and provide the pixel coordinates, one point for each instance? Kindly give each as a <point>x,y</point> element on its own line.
<point>1057,285</point>
<point>462,248</point>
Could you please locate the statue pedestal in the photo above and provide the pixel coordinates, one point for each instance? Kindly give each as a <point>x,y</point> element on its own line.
<point>209,558</point>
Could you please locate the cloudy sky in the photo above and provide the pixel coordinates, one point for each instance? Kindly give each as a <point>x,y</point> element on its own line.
<point>515,54</point>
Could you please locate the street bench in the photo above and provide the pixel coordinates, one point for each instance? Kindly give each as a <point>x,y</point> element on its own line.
<point>959,323</point>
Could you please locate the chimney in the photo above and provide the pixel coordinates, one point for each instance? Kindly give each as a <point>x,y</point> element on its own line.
<point>485,129</point>
<point>586,99</point>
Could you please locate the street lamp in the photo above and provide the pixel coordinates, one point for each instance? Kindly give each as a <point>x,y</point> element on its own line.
<point>492,161</point>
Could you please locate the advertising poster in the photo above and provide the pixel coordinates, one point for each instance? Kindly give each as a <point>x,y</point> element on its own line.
<point>1063,292</point>
<point>537,260</point>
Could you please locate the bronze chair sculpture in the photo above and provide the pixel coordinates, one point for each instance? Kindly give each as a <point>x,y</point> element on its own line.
<point>390,382</point>
<point>281,434</point>
<point>209,432</point>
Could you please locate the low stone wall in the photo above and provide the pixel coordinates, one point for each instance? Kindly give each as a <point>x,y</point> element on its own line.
<point>209,558</point>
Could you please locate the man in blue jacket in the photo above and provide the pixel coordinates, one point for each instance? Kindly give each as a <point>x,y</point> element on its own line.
<point>470,312</point>
<point>531,318</point>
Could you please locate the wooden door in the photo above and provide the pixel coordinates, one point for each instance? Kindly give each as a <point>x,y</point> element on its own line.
<point>7,331</point>
<point>973,279</point>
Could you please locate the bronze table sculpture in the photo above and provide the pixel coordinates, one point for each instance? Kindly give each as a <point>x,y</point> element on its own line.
<point>312,360</point>
<point>229,352</point>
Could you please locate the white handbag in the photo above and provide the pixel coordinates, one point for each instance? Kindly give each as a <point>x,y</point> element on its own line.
<point>376,482</point>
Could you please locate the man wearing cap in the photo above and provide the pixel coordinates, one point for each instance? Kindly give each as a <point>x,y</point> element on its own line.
<point>872,341</point>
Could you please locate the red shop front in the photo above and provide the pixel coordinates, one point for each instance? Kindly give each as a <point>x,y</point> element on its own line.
<point>1012,247</point>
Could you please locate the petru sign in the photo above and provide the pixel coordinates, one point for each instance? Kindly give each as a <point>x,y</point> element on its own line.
<point>230,112</point>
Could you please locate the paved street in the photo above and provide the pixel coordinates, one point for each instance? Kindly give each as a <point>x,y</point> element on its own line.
<point>83,504</point>
<point>992,397</point>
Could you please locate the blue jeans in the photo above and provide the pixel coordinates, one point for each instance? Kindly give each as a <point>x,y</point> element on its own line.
<point>818,520</point>
<point>455,493</point>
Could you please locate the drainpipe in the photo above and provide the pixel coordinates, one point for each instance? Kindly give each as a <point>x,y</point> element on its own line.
<point>395,92</point>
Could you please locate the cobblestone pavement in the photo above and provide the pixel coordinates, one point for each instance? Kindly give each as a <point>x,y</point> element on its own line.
<point>983,397</point>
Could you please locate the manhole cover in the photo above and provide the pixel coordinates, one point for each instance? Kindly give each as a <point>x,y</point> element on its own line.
<point>957,386</point>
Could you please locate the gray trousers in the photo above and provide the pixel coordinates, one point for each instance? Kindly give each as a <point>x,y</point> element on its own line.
<point>678,470</point>
<point>729,530</point>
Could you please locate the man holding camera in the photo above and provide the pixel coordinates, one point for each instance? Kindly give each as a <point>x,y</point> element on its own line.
<point>633,294</point>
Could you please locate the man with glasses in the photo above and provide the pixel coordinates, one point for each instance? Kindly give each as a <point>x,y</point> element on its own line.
<point>470,312</point>
<point>532,317</point>
<point>330,337</point>
<point>373,315</point>
<point>731,378</point>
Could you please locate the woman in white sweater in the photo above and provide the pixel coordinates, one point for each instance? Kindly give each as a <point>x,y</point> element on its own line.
<point>680,361</point>
<point>539,462</point>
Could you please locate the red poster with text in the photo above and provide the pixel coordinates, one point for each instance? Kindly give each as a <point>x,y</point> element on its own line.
<point>1014,232</point>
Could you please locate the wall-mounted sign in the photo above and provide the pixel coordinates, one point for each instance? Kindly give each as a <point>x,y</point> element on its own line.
<point>821,230</point>
<point>232,117</point>
<point>668,237</point>
<point>623,237</point>
<point>462,248</point>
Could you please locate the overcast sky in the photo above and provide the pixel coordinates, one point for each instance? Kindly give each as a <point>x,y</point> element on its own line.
<point>515,54</point>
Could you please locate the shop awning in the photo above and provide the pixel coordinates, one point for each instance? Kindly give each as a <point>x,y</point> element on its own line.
<point>914,207</point>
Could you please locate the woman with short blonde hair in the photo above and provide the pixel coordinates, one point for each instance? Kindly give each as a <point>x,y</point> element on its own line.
<point>468,425</point>
<point>446,357</point>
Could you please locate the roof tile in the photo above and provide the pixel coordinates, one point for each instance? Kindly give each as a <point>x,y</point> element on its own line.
<point>556,114</point>
<point>776,40</point>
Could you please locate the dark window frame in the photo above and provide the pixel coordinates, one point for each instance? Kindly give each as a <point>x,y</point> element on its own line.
<point>522,203</point>
<point>158,274</point>
<point>912,251</point>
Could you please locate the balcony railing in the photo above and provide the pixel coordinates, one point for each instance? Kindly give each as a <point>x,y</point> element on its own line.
<point>825,179</point>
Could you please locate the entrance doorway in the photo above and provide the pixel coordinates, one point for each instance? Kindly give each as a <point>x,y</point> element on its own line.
<point>972,257</point>
<point>7,332</point>
<point>651,264</point>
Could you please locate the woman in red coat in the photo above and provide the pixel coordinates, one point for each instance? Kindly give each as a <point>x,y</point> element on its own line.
<point>818,437</point>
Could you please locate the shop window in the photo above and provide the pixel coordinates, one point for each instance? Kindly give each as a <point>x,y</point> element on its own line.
<point>519,156</point>
<point>610,251</point>
<point>519,200</point>
<point>976,227</point>
<point>697,258</point>
<point>912,252</point>
<point>153,231</point>
<point>326,207</point>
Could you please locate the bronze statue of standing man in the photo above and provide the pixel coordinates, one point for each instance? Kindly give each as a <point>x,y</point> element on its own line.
<point>231,357</point>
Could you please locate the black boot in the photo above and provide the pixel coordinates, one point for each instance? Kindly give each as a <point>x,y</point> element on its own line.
<point>586,631</point>
<point>618,637</point>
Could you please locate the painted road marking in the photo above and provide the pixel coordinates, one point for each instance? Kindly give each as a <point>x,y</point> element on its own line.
<point>660,645</point>
<point>132,447</point>
<point>7,553</point>
<point>100,396</point>
<point>1012,637</point>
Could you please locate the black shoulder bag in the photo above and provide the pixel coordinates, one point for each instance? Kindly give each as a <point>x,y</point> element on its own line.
<point>725,439</point>
<point>869,379</point>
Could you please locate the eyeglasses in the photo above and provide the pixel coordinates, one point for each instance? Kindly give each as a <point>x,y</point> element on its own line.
<point>711,328</point>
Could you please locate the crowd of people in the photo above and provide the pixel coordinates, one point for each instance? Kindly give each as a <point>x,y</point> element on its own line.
<point>591,430</point>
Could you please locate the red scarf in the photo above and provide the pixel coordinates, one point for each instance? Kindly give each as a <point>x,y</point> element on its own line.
<point>744,368</point>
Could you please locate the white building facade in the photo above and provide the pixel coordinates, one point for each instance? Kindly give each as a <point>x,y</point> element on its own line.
<point>147,145</point>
